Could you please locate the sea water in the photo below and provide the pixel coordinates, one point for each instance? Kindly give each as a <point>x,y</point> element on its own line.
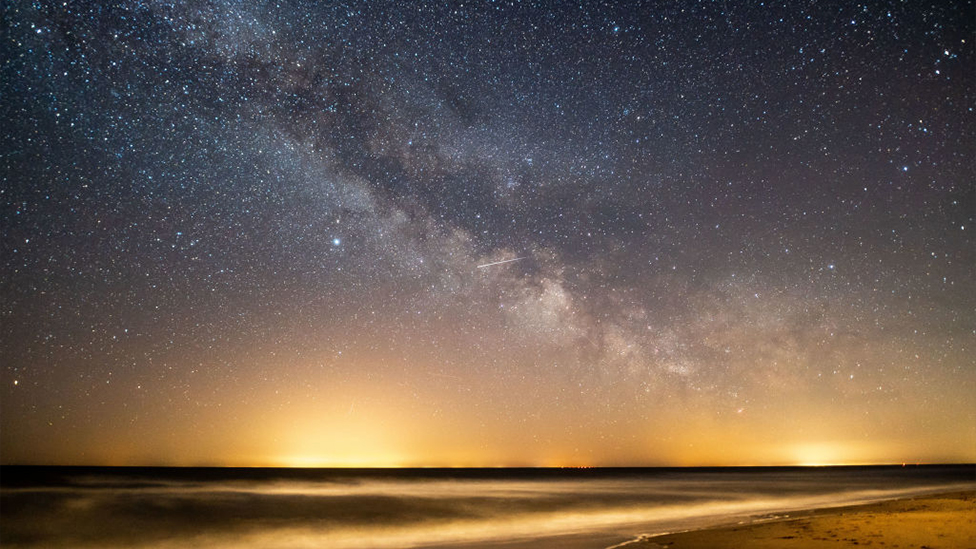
<point>346,508</point>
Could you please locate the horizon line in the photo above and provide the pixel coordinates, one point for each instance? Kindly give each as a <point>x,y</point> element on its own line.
<point>500,467</point>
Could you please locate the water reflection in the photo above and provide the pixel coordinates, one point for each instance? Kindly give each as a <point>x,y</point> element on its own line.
<point>161,508</point>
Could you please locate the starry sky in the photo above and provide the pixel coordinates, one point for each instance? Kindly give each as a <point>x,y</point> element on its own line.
<point>487,233</point>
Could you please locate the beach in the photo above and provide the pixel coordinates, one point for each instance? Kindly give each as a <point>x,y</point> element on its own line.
<point>170,508</point>
<point>937,521</point>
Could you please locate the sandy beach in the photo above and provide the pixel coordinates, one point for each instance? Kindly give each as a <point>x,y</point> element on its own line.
<point>945,521</point>
<point>170,508</point>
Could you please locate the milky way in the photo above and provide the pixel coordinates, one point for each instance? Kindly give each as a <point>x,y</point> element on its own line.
<point>285,233</point>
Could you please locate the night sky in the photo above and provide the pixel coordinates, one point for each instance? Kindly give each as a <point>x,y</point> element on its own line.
<point>490,233</point>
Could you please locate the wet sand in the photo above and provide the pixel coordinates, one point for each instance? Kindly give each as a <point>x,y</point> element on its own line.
<point>172,508</point>
<point>945,521</point>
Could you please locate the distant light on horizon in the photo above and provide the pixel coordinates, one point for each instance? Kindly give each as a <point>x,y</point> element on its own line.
<point>498,234</point>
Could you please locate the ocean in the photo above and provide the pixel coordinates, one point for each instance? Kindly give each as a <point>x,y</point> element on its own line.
<point>247,508</point>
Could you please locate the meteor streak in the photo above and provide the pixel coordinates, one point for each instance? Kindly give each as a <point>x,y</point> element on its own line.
<point>500,262</point>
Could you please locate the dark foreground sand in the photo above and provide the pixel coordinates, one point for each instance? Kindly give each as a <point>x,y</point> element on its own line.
<point>946,521</point>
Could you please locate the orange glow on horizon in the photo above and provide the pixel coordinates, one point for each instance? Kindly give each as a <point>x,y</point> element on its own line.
<point>365,423</point>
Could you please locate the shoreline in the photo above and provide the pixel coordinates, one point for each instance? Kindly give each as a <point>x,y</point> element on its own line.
<point>472,509</point>
<point>942,520</point>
